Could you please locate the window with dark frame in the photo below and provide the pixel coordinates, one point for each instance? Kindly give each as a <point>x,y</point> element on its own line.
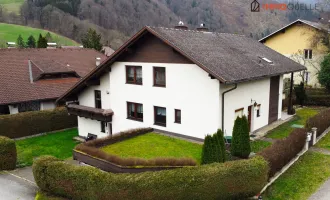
<point>98,102</point>
<point>160,76</point>
<point>135,111</point>
<point>134,75</point>
<point>177,116</point>
<point>308,53</point>
<point>258,110</point>
<point>103,126</point>
<point>160,116</point>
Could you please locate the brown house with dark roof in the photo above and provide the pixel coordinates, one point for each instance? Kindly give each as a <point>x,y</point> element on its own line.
<point>32,79</point>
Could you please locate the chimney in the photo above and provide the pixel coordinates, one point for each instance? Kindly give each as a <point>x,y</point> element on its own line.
<point>98,61</point>
<point>181,26</point>
<point>202,28</point>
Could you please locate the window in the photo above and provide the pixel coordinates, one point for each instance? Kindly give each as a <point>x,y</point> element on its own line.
<point>98,103</point>
<point>159,76</point>
<point>308,53</point>
<point>258,110</point>
<point>160,116</point>
<point>135,111</point>
<point>307,77</point>
<point>239,113</point>
<point>177,116</point>
<point>134,75</point>
<point>103,126</point>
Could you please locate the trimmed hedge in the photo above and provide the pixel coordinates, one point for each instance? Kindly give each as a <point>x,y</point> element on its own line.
<point>283,151</point>
<point>321,121</point>
<point>93,148</point>
<point>240,145</point>
<point>318,100</point>
<point>230,180</point>
<point>31,123</point>
<point>8,154</point>
<point>214,148</point>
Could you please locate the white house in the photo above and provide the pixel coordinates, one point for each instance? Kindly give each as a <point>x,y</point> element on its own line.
<point>182,82</point>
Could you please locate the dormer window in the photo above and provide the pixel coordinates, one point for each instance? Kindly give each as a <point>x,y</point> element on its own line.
<point>134,75</point>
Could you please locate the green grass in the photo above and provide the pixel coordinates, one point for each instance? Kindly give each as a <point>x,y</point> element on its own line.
<point>10,32</point>
<point>302,179</point>
<point>152,145</point>
<point>58,144</point>
<point>44,196</point>
<point>325,142</point>
<point>12,5</point>
<point>300,118</point>
<point>259,145</point>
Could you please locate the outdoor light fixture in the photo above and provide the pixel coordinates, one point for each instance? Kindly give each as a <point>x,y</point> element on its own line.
<point>255,103</point>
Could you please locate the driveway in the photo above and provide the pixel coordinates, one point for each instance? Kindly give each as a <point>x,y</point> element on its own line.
<point>17,185</point>
<point>323,193</point>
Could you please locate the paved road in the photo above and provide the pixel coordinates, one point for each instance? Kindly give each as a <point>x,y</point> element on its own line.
<point>323,193</point>
<point>15,188</point>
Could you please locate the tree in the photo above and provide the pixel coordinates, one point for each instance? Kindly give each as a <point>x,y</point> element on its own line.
<point>42,42</point>
<point>222,145</point>
<point>207,150</point>
<point>240,145</point>
<point>31,43</point>
<point>20,42</point>
<point>300,93</point>
<point>214,148</point>
<point>49,37</point>
<point>92,40</point>
<point>324,74</point>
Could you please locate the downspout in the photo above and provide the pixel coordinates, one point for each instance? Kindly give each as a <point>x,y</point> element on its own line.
<point>223,105</point>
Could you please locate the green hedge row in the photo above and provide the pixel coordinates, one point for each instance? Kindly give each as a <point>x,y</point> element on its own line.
<point>318,100</point>
<point>8,155</point>
<point>31,123</point>
<point>230,180</point>
<point>321,121</point>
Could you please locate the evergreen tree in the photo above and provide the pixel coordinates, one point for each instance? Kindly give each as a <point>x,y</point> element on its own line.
<point>20,42</point>
<point>42,42</point>
<point>92,40</point>
<point>31,43</point>
<point>240,146</point>
<point>207,150</point>
<point>324,74</point>
<point>49,37</point>
<point>222,145</point>
<point>214,148</point>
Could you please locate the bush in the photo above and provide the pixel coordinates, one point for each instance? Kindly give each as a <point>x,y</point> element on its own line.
<point>318,100</point>
<point>300,93</point>
<point>221,141</point>
<point>31,123</point>
<point>283,151</point>
<point>92,148</point>
<point>230,180</point>
<point>214,148</point>
<point>240,145</point>
<point>8,155</point>
<point>324,73</point>
<point>321,121</point>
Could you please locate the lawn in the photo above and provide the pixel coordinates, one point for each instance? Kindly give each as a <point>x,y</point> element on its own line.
<point>58,144</point>
<point>259,145</point>
<point>300,118</point>
<point>152,145</point>
<point>302,179</point>
<point>12,5</point>
<point>10,32</point>
<point>325,142</point>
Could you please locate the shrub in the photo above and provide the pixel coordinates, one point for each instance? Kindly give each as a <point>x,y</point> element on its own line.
<point>283,151</point>
<point>230,180</point>
<point>321,121</point>
<point>207,150</point>
<point>300,93</point>
<point>324,73</point>
<point>240,146</point>
<point>221,141</point>
<point>318,100</point>
<point>31,123</point>
<point>8,155</point>
<point>214,148</point>
<point>92,148</point>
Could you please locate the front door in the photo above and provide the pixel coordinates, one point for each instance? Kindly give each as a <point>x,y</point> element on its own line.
<point>249,117</point>
<point>273,98</point>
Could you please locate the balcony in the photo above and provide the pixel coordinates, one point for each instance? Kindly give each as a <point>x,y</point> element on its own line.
<point>104,115</point>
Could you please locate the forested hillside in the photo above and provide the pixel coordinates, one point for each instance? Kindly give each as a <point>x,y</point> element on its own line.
<point>116,20</point>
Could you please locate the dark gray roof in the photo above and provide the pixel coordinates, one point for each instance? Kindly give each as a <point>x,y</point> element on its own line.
<point>229,57</point>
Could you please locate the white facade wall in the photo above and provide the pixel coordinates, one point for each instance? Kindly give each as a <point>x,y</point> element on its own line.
<point>47,105</point>
<point>13,109</point>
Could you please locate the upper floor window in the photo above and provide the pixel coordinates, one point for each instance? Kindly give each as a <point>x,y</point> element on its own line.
<point>135,111</point>
<point>177,116</point>
<point>98,103</point>
<point>160,116</point>
<point>159,76</point>
<point>134,75</point>
<point>308,53</point>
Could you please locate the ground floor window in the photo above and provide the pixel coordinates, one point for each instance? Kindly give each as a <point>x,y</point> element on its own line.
<point>135,111</point>
<point>160,116</point>
<point>29,106</point>
<point>258,110</point>
<point>177,114</point>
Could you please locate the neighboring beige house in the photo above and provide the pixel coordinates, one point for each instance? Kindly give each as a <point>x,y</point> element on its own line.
<point>297,41</point>
<point>182,82</point>
<point>32,79</point>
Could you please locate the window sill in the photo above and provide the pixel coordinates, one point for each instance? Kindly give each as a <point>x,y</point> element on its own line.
<point>134,119</point>
<point>177,122</point>
<point>134,83</point>
<point>160,124</point>
<point>163,86</point>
